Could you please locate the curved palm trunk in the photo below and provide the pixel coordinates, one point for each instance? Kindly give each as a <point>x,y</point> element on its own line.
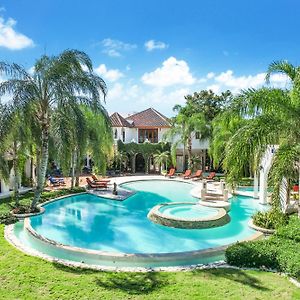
<point>42,166</point>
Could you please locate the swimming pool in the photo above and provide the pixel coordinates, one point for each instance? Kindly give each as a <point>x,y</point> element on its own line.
<point>122,229</point>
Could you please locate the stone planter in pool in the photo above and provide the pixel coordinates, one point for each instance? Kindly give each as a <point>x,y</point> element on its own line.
<point>188,215</point>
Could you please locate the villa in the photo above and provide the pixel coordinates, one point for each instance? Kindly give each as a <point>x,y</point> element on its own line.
<point>151,126</point>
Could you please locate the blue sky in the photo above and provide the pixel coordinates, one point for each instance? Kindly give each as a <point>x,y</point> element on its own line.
<point>152,53</point>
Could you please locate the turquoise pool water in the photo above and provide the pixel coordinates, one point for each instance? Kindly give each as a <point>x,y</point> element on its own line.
<point>95,223</point>
<point>188,211</point>
<point>246,188</point>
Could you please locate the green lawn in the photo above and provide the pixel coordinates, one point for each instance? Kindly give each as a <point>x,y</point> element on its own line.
<point>26,277</point>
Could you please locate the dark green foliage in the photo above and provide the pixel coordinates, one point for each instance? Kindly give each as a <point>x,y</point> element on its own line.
<point>270,219</point>
<point>253,254</point>
<point>146,149</point>
<point>246,181</point>
<point>291,231</point>
<point>7,218</point>
<point>280,252</point>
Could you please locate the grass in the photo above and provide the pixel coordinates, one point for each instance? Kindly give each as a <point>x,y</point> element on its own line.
<point>26,277</point>
<point>7,204</point>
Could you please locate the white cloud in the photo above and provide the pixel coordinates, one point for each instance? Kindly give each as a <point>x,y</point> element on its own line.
<point>114,48</point>
<point>172,72</point>
<point>11,39</point>
<point>215,88</point>
<point>111,75</point>
<point>121,97</point>
<point>227,80</point>
<point>210,75</point>
<point>153,45</point>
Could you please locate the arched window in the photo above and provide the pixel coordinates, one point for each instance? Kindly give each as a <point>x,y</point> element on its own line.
<point>116,134</point>
<point>123,136</point>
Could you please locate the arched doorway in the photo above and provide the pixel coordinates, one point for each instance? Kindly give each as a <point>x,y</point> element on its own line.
<point>139,163</point>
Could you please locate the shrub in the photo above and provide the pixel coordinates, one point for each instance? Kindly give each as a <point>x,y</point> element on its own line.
<point>253,254</point>
<point>270,219</point>
<point>289,258</point>
<point>291,230</point>
<point>246,181</point>
<point>7,218</point>
<point>280,252</point>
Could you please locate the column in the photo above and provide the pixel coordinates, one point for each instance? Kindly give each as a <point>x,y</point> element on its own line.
<point>256,185</point>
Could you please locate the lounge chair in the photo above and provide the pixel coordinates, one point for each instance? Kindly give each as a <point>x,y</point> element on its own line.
<point>187,174</point>
<point>211,176</point>
<point>56,181</point>
<point>96,180</point>
<point>197,175</point>
<point>98,185</point>
<point>171,173</point>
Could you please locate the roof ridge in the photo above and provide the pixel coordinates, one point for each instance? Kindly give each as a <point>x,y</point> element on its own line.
<point>160,114</point>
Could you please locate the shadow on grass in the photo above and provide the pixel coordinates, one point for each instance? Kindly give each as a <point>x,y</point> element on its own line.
<point>74,270</point>
<point>239,276</point>
<point>129,282</point>
<point>132,283</point>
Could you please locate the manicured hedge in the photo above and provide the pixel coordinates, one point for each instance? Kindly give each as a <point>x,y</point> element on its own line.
<point>280,252</point>
<point>254,254</point>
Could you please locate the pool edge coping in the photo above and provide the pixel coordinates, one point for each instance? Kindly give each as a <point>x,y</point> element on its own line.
<point>13,240</point>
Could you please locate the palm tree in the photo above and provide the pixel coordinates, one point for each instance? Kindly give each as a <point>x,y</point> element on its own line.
<point>184,127</point>
<point>272,117</point>
<point>66,80</point>
<point>162,158</point>
<point>15,141</point>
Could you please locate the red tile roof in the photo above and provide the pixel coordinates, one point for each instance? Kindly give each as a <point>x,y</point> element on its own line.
<point>149,118</point>
<point>118,121</point>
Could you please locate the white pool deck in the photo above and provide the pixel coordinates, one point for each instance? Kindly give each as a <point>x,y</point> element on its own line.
<point>212,186</point>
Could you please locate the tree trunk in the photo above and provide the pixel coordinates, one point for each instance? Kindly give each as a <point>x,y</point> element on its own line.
<point>190,152</point>
<point>73,166</point>
<point>42,166</point>
<point>16,174</point>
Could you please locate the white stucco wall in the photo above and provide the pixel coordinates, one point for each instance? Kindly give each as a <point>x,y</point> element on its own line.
<point>132,134</point>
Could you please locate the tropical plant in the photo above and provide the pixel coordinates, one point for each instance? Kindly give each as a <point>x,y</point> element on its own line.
<point>57,82</point>
<point>271,118</point>
<point>162,158</point>
<point>15,142</point>
<point>184,127</point>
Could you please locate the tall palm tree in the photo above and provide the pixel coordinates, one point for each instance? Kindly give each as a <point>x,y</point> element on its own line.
<point>184,127</point>
<point>66,80</point>
<point>272,118</point>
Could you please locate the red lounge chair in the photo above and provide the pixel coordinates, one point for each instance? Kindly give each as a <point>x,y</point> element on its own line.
<point>187,174</point>
<point>171,173</point>
<point>197,175</point>
<point>98,185</point>
<point>211,176</point>
<point>96,180</point>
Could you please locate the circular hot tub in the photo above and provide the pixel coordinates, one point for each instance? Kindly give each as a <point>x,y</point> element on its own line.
<point>188,215</point>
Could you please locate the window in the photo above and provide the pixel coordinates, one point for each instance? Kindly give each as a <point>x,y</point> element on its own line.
<point>198,135</point>
<point>123,136</point>
<point>148,134</point>
<point>116,134</point>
